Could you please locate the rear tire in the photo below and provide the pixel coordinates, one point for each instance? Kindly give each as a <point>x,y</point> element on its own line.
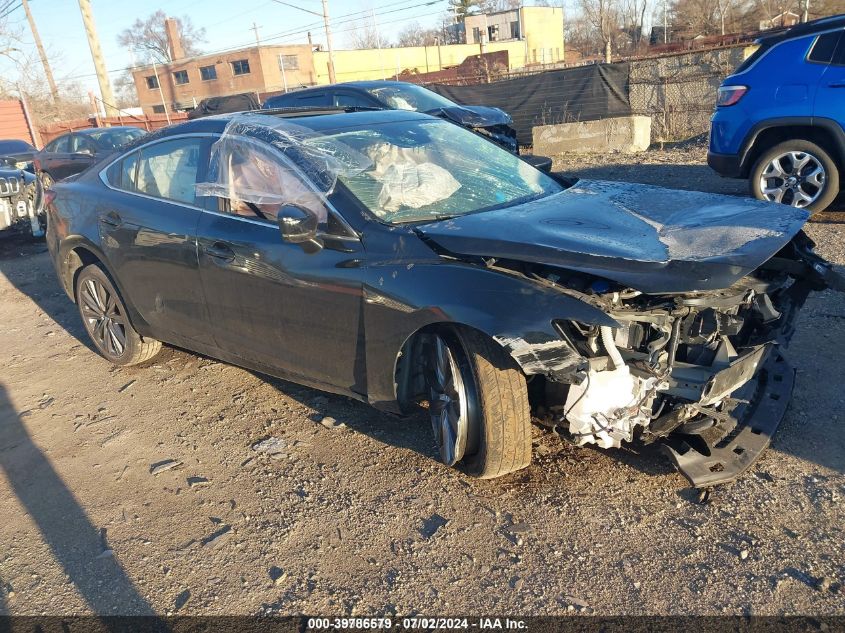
<point>491,395</point>
<point>106,321</point>
<point>786,155</point>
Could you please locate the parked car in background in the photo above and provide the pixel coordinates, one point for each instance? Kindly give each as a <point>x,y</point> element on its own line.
<point>21,208</point>
<point>395,258</point>
<point>399,95</point>
<point>16,154</point>
<point>225,105</point>
<point>780,118</point>
<point>74,152</point>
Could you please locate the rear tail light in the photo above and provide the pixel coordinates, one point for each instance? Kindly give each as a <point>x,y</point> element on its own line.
<point>730,95</point>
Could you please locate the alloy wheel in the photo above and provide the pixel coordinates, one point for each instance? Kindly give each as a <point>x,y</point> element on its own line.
<point>103,317</point>
<point>448,402</point>
<point>793,178</point>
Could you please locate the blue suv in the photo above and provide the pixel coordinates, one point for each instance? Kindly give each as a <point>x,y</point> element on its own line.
<point>780,118</point>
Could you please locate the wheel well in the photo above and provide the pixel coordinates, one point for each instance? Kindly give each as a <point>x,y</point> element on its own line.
<point>75,261</point>
<point>410,384</point>
<point>770,137</point>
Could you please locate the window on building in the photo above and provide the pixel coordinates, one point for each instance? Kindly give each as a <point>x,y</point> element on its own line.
<point>493,33</point>
<point>240,67</point>
<point>823,49</point>
<point>152,82</point>
<point>476,35</point>
<point>180,77</point>
<point>158,109</point>
<point>515,30</point>
<point>207,73</point>
<point>289,62</point>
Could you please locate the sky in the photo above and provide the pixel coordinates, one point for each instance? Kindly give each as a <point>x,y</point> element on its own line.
<point>228,24</point>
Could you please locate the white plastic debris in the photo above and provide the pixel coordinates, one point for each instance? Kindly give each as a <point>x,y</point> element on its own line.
<point>605,408</point>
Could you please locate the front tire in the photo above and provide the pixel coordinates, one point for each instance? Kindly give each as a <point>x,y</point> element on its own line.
<point>105,319</point>
<point>798,173</point>
<point>478,404</point>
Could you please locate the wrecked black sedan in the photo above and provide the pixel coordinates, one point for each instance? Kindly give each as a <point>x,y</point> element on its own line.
<point>398,259</point>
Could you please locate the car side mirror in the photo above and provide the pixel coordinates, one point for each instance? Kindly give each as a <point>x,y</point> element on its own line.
<point>298,225</point>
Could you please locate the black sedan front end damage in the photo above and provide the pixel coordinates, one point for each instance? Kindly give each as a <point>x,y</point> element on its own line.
<point>701,293</point>
<point>703,373</point>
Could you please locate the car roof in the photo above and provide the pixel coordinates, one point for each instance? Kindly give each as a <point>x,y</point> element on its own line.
<point>807,28</point>
<point>316,119</point>
<point>359,85</point>
<point>90,130</point>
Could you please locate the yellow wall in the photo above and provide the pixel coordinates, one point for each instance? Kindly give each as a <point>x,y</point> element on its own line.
<point>357,65</point>
<point>543,29</point>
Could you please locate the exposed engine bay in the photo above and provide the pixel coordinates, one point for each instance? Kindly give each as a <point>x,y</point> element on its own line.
<point>20,202</point>
<point>702,372</point>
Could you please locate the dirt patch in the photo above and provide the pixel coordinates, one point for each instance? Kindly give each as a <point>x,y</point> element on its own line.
<point>155,489</point>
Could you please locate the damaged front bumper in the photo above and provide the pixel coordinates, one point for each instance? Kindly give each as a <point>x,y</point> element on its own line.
<point>703,374</point>
<point>744,428</point>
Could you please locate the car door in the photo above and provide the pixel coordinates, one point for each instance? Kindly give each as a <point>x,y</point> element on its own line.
<point>55,157</point>
<point>147,221</point>
<point>83,154</point>
<point>830,98</point>
<point>291,308</point>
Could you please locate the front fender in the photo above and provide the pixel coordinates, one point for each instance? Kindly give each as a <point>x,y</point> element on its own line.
<point>401,299</point>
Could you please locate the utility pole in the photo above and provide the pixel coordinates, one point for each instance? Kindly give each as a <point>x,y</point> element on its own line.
<point>44,61</point>
<point>665,23</point>
<point>255,28</point>
<point>97,56</point>
<point>332,77</point>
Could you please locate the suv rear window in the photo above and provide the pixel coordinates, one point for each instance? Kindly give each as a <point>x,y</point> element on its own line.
<point>824,48</point>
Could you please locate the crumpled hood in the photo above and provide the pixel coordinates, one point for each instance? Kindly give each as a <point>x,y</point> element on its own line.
<point>651,239</point>
<point>473,116</point>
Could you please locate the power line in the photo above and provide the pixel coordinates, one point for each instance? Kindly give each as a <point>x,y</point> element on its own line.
<point>292,33</point>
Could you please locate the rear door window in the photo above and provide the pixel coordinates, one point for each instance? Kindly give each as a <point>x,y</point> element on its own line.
<point>318,99</point>
<point>169,169</point>
<point>352,100</point>
<point>839,55</point>
<point>59,145</point>
<point>823,49</point>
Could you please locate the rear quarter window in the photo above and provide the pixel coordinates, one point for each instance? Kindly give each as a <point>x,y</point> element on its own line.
<point>823,48</point>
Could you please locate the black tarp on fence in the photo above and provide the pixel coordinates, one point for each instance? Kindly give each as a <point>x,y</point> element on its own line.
<point>585,93</point>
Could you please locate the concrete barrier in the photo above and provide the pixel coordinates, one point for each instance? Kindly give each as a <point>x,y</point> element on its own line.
<point>625,134</point>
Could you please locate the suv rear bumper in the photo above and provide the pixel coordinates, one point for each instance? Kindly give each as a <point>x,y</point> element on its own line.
<point>728,165</point>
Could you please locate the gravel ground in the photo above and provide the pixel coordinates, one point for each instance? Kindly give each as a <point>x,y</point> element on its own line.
<point>139,490</point>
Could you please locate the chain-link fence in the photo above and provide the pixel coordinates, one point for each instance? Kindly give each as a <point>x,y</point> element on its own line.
<point>678,91</point>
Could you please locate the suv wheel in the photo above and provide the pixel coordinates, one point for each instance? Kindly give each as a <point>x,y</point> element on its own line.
<point>104,316</point>
<point>798,173</point>
<point>478,404</point>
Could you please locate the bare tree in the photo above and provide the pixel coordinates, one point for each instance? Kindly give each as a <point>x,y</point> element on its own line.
<point>364,34</point>
<point>604,16</point>
<point>149,38</point>
<point>415,35</point>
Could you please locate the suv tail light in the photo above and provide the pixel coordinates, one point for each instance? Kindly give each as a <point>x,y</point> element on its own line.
<point>730,95</point>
